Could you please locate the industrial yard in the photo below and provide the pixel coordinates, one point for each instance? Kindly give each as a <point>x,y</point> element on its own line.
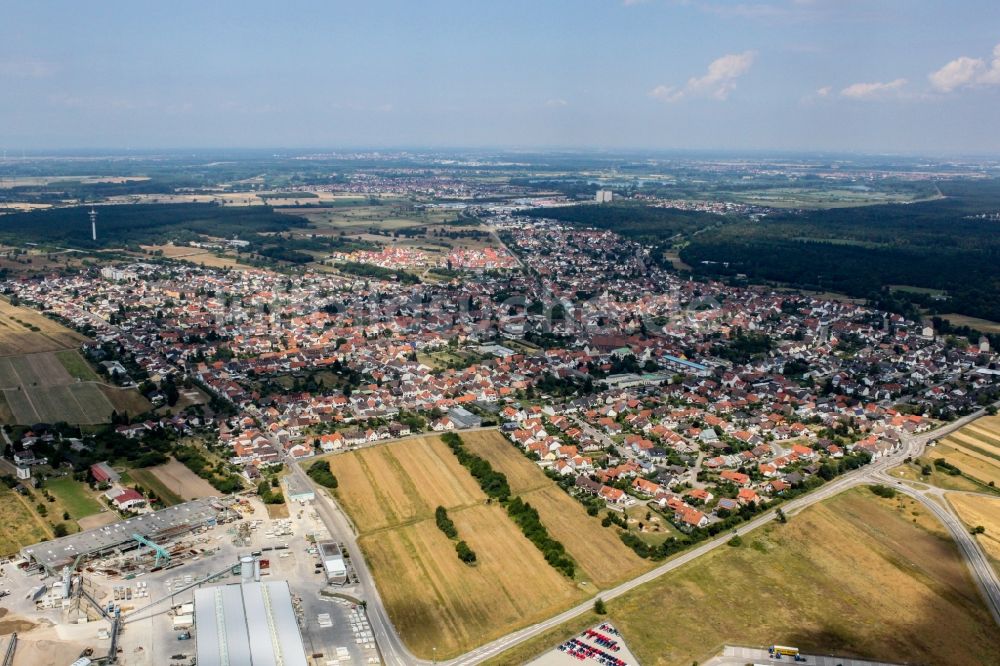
<point>127,593</point>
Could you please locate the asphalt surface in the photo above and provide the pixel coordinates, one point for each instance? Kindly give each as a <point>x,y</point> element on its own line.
<point>394,652</point>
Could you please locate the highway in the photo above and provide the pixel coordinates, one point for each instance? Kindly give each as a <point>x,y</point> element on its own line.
<point>394,652</point>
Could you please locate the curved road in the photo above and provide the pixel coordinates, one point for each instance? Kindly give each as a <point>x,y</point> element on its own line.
<point>395,653</point>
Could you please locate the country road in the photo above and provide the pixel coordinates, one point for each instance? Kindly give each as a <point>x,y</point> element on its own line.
<point>395,652</point>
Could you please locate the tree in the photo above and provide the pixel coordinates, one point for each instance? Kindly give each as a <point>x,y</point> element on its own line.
<point>60,530</point>
<point>978,529</point>
<point>782,518</point>
<point>599,606</point>
<point>465,553</point>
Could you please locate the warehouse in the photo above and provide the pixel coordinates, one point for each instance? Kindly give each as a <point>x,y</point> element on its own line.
<point>333,562</point>
<point>248,623</point>
<point>160,526</point>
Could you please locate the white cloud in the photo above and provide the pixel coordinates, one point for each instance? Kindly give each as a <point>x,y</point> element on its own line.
<point>824,91</point>
<point>964,72</point>
<point>870,90</point>
<point>25,69</point>
<point>555,103</point>
<point>718,81</point>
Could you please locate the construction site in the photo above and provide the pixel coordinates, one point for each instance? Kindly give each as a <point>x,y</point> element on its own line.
<point>127,593</point>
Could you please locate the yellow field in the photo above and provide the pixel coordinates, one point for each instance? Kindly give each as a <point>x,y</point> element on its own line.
<point>975,449</point>
<point>21,526</point>
<point>387,486</point>
<point>435,600</point>
<point>17,338</point>
<point>977,510</point>
<point>603,558</point>
<point>894,588</point>
<point>522,474</point>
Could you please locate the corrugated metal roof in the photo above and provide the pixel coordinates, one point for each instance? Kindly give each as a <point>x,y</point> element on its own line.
<point>250,624</point>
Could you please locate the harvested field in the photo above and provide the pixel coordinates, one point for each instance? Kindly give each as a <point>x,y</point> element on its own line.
<point>522,474</point>
<point>386,486</point>
<point>975,510</point>
<point>785,584</point>
<point>435,600</point>
<point>126,401</point>
<point>603,558</point>
<point>975,449</point>
<point>173,480</point>
<point>17,337</point>
<point>914,472</point>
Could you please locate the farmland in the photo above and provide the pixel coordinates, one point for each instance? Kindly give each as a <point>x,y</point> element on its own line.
<point>433,598</point>
<point>981,511</point>
<point>934,614</point>
<point>173,482</point>
<point>975,450</point>
<point>24,331</point>
<point>602,557</point>
<point>49,387</point>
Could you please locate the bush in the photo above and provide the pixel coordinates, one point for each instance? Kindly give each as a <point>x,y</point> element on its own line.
<point>736,541</point>
<point>60,530</point>
<point>320,472</point>
<point>465,553</point>
<point>947,467</point>
<point>883,491</point>
<point>599,606</point>
<point>444,523</point>
<point>526,517</point>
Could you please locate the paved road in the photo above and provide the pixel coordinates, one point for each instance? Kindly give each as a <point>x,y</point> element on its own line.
<point>395,652</point>
<point>735,655</point>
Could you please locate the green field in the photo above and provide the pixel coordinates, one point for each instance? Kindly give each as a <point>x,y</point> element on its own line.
<point>77,366</point>
<point>786,584</point>
<point>74,496</point>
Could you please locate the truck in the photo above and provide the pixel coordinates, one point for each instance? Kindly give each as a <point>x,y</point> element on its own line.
<point>183,621</point>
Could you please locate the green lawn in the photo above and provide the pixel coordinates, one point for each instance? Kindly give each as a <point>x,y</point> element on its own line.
<point>74,497</point>
<point>76,365</point>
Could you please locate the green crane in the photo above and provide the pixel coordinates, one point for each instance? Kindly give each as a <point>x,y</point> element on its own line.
<point>161,553</point>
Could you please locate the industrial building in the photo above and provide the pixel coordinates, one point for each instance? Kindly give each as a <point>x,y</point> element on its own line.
<point>296,490</point>
<point>157,527</point>
<point>247,623</point>
<point>333,562</point>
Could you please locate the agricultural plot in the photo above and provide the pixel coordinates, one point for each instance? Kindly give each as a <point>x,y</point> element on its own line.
<point>25,331</point>
<point>603,559</point>
<point>387,486</point>
<point>173,482</point>
<point>434,599</point>
<point>975,449</point>
<point>785,584</point>
<point>975,511</point>
<point>49,387</point>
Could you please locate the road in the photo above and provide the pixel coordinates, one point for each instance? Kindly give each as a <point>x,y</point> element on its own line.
<point>394,652</point>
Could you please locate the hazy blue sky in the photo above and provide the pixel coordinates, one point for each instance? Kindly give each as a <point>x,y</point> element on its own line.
<point>866,75</point>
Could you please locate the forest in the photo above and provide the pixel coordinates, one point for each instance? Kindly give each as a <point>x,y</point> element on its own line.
<point>142,223</point>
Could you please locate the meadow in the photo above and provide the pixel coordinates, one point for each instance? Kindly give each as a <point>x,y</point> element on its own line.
<point>785,584</point>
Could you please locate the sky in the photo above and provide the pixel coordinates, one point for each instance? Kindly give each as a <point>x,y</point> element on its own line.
<point>871,76</point>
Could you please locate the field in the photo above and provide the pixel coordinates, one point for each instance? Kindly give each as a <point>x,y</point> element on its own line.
<point>434,600</point>
<point>48,387</point>
<point>974,511</point>
<point>975,449</point>
<point>983,325</point>
<point>17,336</point>
<point>72,496</point>
<point>785,584</point>
<point>914,472</point>
<point>173,482</point>
<point>21,527</point>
